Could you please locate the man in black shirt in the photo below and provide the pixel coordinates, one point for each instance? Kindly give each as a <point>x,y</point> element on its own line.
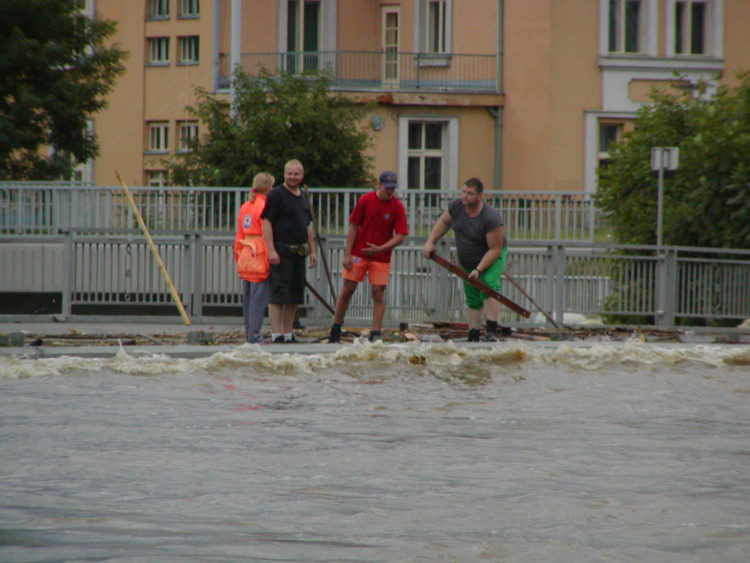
<point>289,239</point>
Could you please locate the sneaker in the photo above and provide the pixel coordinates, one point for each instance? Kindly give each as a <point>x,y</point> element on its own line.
<point>489,337</point>
<point>335,336</point>
<point>279,339</point>
<point>473,335</point>
<point>291,340</point>
<point>377,337</point>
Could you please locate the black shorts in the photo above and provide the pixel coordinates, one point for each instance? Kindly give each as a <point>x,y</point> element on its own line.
<point>287,279</point>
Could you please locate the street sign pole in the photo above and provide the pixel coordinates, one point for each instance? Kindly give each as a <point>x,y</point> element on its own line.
<point>662,158</point>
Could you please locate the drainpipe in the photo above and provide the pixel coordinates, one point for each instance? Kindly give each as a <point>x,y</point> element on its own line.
<point>497,112</point>
<point>235,44</point>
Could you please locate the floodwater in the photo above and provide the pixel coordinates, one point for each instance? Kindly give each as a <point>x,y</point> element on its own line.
<point>386,452</point>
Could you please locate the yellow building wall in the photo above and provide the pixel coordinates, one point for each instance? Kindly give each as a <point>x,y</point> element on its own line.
<point>119,128</point>
<point>526,82</point>
<point>575,87</point>
<point>736,32</point>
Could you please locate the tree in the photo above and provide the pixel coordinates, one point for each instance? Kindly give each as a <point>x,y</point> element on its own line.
<point>707,201</point>
<point>276,118</point>
<point>54,74</point>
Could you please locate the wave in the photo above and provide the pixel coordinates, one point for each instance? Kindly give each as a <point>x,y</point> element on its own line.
<point>381,358</point>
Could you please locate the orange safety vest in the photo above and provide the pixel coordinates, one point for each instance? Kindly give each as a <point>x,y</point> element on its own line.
<point>250,252</point>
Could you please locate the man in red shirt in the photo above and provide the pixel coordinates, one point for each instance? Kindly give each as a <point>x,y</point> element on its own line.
<point>376,226</point>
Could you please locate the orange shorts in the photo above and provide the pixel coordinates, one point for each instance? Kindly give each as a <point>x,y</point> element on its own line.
<point>377,272</point>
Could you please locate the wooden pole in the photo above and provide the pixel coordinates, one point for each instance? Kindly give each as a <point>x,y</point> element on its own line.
<point>523,292</point>
<point>320,244</point>
<point>154,251</point>
<point>320,298</point>
<point>483,287</point>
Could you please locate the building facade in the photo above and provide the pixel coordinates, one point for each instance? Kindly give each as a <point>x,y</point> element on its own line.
<point>525,94</point>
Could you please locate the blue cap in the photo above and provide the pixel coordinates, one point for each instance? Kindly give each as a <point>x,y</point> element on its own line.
<point>388,179</point>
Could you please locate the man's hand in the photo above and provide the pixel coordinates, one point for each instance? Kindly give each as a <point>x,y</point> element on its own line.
<point>428,249</point>
<point>313,259</point>
<point>273,257</point>
<point>371,249</point>
<point>347,263</point>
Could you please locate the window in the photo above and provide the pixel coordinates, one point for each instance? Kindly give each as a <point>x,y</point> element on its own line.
<point>188,48</point>
<point>158,9</point>
<point>434,28</point>
<point>85,6</point>
<point>303,35</point>
<point>426,155</point>
<point>187,134</point>
<point>694,28</point>
<point>189,8</point>
<point>158,50</point>
<point>690,19</point>
<point>428,152</point>
<point>158,136</point>
<point>84,171</point>
<point>625,23</point>
<point>608,133</point>
<point>156,178</point>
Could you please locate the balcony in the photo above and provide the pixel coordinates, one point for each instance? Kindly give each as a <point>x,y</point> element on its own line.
<point>378,71</point>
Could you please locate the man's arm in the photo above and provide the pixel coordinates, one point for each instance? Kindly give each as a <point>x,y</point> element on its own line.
<point>273,256</point>
<point>495,244</point>
<point>351,236</point>
<point>311,242</point>
<point>441,227</point>
<point>373,249</point>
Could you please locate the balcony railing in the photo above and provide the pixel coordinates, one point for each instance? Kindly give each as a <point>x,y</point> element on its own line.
<point>380,71</point>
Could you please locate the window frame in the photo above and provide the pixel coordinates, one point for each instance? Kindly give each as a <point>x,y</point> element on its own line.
<point>189,9</point>
<point>648,31</point>
<point>189,126</point>
<point>160,44</point>
<point>157,137</point>
<point>449,171</point>
<point>713,30</point>
<point>423,21</point>
<point>156,178</point>
<point>158,10</point>
<point>189,44</point>
<point>619,35</point>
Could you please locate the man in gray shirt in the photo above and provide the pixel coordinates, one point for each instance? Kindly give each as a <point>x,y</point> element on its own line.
<point>482,251</point>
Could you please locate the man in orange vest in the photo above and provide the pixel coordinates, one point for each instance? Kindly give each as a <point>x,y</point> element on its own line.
<point>251,257</point>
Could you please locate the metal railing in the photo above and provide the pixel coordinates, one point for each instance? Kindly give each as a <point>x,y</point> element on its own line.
<point>114,274</point>
<point>379,70</point>
<point>44,209</point>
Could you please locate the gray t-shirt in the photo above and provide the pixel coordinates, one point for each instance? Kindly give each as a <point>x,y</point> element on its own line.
<point>471,232</point>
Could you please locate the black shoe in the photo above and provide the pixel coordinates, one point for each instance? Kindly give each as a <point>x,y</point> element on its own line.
<point>489,337</point>
<point>292,340</point>
<point>335,336</point>
<point>473,335</point>
<point>279,339</point>
<point>375,336</point>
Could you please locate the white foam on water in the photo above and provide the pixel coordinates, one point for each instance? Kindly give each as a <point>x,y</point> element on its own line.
<point>255,360</point>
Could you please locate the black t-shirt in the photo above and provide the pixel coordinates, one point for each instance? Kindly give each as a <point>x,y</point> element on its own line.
<point>289,215</point>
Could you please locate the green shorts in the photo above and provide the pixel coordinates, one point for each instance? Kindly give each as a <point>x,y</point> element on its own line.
<point>491,277</point>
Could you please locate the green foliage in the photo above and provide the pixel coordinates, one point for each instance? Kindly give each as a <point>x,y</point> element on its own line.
<point>277,118</point>
<point>707,201</point>
<point>54,74</point>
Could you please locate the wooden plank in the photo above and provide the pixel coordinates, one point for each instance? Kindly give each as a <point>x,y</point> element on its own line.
<point>483,287</point>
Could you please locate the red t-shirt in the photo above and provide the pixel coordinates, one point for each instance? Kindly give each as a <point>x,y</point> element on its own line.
<point>378,221</point>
